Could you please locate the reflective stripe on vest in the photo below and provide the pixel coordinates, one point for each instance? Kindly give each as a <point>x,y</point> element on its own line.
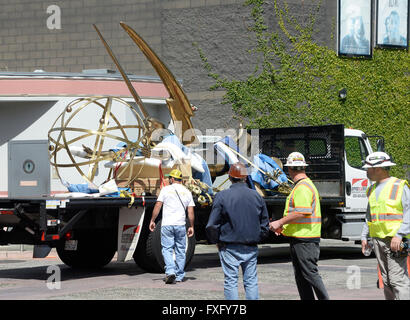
<point>387,217</point>
<point>395,189</point>
<point>304,210</point>
<point>386,212</point>
<point>308,226</point>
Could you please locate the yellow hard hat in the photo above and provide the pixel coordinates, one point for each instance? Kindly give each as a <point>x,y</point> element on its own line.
<point>175,173</point>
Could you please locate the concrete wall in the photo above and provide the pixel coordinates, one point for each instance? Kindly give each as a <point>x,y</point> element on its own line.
<point>170,27</point>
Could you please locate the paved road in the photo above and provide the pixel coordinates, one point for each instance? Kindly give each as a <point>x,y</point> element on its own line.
<point>346,273</point>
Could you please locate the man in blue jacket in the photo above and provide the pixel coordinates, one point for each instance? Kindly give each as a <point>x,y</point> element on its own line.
<point>238,221</point>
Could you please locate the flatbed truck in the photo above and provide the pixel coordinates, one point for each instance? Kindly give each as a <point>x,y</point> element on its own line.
<point>88,232</point>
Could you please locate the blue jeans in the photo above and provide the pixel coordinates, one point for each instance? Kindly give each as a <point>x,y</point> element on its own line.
<point>173,239</point>
<point>232,256</point>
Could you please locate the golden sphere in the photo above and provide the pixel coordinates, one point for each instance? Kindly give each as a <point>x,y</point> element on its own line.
<point>80,132</point>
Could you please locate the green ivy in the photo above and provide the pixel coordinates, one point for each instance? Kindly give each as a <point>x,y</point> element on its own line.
<point>296,82</point>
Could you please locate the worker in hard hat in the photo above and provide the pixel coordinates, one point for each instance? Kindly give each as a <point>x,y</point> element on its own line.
<point>388,224</point>
<point>301,223</point>
<point>175,200</point>
<point>238,222</point>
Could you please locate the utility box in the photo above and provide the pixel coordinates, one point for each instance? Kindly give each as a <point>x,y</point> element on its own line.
<point>28,168</point>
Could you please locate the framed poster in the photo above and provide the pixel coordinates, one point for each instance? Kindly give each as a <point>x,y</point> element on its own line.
<point>392,23</point>
<point>355,28</point>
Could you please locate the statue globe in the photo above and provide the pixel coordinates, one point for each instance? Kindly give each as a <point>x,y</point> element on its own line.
<point>95,124</point>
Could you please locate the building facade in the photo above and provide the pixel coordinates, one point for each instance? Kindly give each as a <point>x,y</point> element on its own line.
<point>58,36</point>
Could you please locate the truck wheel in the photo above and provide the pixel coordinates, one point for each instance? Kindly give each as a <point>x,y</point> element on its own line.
<point>149,256</point>
<point>95,249</point>
<point>143,258</point>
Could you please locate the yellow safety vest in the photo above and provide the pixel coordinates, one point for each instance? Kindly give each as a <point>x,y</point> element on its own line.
<point>386,213</point>
<point>304,199</point>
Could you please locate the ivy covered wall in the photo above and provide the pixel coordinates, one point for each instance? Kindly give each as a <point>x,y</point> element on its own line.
<point>297,80</point>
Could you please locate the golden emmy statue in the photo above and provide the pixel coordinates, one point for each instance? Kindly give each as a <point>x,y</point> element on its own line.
<point>63,136</point>
<point>138,155</point>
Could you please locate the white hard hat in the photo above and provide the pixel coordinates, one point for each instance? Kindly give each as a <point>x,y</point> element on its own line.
<point>378,160</point>
<point>296,159</point>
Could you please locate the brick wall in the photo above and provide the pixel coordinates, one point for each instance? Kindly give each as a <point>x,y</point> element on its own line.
<point>170,27</point>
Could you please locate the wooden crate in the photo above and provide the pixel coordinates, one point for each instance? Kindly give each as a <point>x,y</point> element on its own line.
<point>149,181</point>
<point>143,171</point>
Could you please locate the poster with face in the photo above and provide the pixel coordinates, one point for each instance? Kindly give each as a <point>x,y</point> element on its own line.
<point>355,27</point>
<point>392,23</point>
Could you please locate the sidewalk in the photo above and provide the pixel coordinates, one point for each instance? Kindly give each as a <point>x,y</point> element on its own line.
<point>17,252</point>
<point>347,275</point>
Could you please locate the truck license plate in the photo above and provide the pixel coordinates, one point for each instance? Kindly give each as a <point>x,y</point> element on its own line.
<point>71,245</point>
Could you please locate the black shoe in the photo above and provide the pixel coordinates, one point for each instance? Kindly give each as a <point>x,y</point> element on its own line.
<point>170,278</point>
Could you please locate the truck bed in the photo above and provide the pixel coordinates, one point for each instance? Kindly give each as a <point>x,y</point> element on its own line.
<point>323,148</point>
<point>38,220</point>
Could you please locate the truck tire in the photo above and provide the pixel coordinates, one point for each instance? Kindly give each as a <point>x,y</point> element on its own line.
<point>143,258</point>
<point>95,249</point>
<point>148,254</point>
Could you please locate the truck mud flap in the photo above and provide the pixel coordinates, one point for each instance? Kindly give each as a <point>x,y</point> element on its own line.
<point>41,251</point>
<point>129,229</point>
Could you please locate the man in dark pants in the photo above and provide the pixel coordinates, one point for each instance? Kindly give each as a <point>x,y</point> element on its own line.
<point>238,221</point>
<point>301,222</point>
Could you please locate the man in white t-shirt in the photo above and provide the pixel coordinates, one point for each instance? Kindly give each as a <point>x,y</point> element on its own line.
<point>176,200</point>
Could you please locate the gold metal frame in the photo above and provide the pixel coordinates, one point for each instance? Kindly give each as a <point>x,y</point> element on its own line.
<point>96,154</point>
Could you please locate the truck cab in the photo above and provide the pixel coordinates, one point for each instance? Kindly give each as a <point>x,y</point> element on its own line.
<point>357,148</point>
<point>352,215</point>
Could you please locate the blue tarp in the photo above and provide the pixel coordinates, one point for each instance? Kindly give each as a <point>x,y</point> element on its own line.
<point>172,138</point>
<point>232,144</point>
<point>205,176</point>
<point>266,164</point>
<point>123,145</point>
<point>83,187</point>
